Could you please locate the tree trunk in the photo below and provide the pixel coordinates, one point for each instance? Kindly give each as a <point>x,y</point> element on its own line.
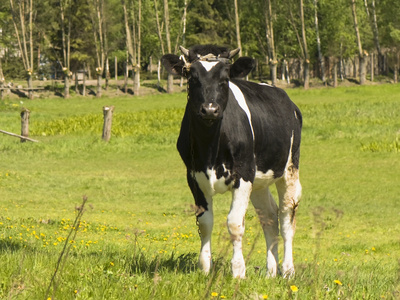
<point>98,90</point>
<point>136,84</point>
<point>66,86</point>
<point>116,68</point>
<point>2,80</point>
<point>126,75</point>
<point>159,28</point>
<point>107,73</point>
<point>238,40</point>
<point>335,76</point>
<point>361,55</point>
<point>84,81</point>
<point>170,80</point>
<point>273,62</point>
<point>372,67</point>
<point>320,56</point>
<point>396,67</point>
<point>306,57</point>
<point>30,87</point>
<point>76,83</point>
<point>374,28</point>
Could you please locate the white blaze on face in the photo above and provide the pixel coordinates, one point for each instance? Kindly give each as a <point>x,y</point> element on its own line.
<point>237,93</point>
<point>208,65</point>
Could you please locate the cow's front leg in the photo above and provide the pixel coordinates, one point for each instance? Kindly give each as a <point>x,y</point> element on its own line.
<point>240,200</point>
<point>205,219</point>
<point>206,222</point>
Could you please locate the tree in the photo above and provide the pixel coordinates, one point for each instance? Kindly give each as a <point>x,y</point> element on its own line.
<point>273,61</point>
<point>237,25</point>
<point>22,17</point>
<point>170,80</point>
<point>361,53</point>
<point>320,56</point>
<point>65,5</point>
<point>374,28</point>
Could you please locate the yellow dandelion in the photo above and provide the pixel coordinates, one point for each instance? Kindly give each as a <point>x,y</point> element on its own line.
<point>294,288</point>
<point>265,296</point>
<point>223,297</point>
<point>373,249</point>
<point>335,259</point>
<point>111,264</point>
<point>214,294</point>
<point>337,282</point>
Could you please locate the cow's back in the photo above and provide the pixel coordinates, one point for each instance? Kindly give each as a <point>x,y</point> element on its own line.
<point>275,119</point>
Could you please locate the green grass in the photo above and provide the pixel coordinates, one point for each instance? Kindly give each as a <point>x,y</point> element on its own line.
<point>138,238</point>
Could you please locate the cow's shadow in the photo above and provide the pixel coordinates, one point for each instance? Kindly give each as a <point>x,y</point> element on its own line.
<point>185,263</point>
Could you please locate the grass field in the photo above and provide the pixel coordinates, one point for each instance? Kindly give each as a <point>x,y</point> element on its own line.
<point>137,237</point>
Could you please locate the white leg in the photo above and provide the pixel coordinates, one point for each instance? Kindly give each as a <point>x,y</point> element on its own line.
<point>240,200</point>
<point>289,190</point>
<point>267,211</point>
<point>206,222</point>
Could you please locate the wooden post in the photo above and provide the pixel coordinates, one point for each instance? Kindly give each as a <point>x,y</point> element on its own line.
<point>107,112</point>
<point>24,123</point>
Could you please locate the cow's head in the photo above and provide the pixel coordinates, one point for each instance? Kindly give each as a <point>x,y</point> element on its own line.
<point>208,71</point>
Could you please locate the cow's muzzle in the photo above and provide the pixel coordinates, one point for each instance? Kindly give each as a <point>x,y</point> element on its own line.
<point>210,111</point>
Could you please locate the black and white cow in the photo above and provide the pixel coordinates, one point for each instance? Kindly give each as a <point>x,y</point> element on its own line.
<point>239,136</point>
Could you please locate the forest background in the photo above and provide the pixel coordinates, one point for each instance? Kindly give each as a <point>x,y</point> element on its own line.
<point>290,39</point>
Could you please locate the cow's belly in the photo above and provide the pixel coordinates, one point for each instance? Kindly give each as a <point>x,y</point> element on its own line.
<point>263,180</point>
<point>210,184</point>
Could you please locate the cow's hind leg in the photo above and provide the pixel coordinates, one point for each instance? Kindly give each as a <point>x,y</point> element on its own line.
<point>240,201</point>
<point>267,211</point>
<point>289,190</point>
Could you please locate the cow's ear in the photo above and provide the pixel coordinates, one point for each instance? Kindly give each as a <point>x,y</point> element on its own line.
<point>172,64</point>
<point>241,67</point>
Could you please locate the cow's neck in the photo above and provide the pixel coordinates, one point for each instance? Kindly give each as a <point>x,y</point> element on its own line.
<point>204,142</point>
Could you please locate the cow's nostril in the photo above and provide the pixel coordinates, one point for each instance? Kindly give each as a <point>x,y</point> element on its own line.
<point>210,111</point>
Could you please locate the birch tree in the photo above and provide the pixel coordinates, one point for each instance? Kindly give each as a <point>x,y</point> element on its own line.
<point>65,5</point>
<point>361,53</point>
<point>320,56</point>
<point>237,26</point>
<point>97,16</point>
<point>22,17</point>
<point>374,28</point>
<point>170,79</point>
<point>273,61</point>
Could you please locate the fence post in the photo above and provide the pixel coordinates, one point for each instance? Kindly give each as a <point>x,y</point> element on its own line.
<point>24,123</point>
<point>107,112</point>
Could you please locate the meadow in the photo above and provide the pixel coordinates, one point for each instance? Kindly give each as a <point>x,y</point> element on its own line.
<point>136,236</point>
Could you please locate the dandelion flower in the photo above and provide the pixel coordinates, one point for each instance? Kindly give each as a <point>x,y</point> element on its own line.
<point>294,288</point>
<point>337,282</point>
<point>265,296</point>
<point>214,294</point>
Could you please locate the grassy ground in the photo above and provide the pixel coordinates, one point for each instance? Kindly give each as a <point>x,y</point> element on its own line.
<point>138,239</point>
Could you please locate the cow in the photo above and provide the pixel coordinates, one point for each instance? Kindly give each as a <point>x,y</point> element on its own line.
<point>242,137</point>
